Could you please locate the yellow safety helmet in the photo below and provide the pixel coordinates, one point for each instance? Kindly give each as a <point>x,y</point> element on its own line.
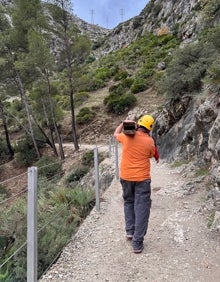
<point>146,121</point>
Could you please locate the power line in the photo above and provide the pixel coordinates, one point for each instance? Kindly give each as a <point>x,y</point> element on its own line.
<point>122,14</point>
<point>106,22</point>
<point>92,12</point>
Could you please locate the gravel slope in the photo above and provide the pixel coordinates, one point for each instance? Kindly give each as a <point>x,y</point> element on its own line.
<point>178,247</point>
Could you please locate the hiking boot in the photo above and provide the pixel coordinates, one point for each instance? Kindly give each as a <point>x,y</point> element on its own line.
<point>137,246</point>
<point>138,251</point>
<point>129,237</point>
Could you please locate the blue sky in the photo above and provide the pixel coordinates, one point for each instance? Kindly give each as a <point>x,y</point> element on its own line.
<point>107,13</point>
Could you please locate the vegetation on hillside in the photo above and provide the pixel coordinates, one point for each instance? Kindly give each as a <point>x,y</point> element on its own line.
<point>62,205</point>
<point>46,74</point>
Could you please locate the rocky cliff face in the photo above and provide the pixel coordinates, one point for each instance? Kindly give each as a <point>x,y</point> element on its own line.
<point>189,130</point>
<point>168,16</point>
<point>94,32</point>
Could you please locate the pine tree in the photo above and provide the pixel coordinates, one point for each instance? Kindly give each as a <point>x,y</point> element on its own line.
<point>68,33</point>
<point>41,58</point>
<point>26,15</point>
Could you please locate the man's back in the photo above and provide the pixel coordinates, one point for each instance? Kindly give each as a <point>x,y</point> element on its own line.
<point>137,149</point>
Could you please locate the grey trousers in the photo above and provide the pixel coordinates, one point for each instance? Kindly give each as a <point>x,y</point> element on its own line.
<point>137,204</point>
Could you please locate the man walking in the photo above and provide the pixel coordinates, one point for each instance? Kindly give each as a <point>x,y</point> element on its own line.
<point>135,178</point>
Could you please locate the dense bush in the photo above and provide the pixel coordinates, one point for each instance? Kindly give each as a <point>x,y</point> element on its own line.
<point>76,175</point>
<point>117,89</point>
<point>187,69</point>
<point>119,104</point>
<point>127,82</point>
<point>85,116</point>
<point>90,59</point>
<point>120,75</point>
<point>103,73</point>
<point>122,87</point>
<point>88,158</point>
<point>25,153</point>
<point>140,84</point>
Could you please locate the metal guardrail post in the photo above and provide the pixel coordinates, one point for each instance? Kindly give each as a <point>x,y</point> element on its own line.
<point>32,225</point>
<point>96,165</point>
<point>116,161</point>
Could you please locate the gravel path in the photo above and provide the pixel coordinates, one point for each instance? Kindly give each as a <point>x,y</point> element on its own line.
<point>178,247</point>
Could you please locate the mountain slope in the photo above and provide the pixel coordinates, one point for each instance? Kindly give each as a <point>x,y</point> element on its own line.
<point>182,17</point>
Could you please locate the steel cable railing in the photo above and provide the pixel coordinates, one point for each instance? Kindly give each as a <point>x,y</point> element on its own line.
<point>110,147</point>
<point>12,178</point>
<point>13,197</point>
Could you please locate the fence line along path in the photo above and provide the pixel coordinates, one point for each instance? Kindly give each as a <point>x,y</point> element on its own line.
<point>179,247</point>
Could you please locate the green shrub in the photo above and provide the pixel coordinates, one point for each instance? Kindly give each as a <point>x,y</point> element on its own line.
<point>103,73</point>
<point>139,85</point>
<point>111,98</point>
<point>120,75</point>
<point>187,69</point>
<point>58,218</point>
<point>88,158</point>
<point>49,167</point>
<point>119,104</point>
<point>122,87</point>
<point>76,175</point>
<point>127,82</point>
<point>85,116</point>
<point>25,153</point>
<point>113,88</point>
<point>117,89</point>
<point>145,73</point>
<point>90,59</point>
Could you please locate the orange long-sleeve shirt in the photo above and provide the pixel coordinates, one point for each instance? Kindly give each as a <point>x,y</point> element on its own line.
<point>136,153</point>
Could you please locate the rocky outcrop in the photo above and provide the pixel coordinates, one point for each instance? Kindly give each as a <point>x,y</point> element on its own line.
<point>93,31</point>
<point>191,131</point>
<point>159,17</point>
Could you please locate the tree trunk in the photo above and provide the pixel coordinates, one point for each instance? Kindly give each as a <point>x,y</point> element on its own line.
<point>62,156</point>
<point>75,140</point>
<point>24,100</point>
<point>7,138</point>
<point>59,142</point>
<point>53,146</point>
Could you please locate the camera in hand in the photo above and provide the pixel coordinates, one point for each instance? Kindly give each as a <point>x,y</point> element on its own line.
<point>129,127</point>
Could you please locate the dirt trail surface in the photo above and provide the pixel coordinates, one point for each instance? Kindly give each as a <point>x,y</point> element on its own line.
<point>178,247</point>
